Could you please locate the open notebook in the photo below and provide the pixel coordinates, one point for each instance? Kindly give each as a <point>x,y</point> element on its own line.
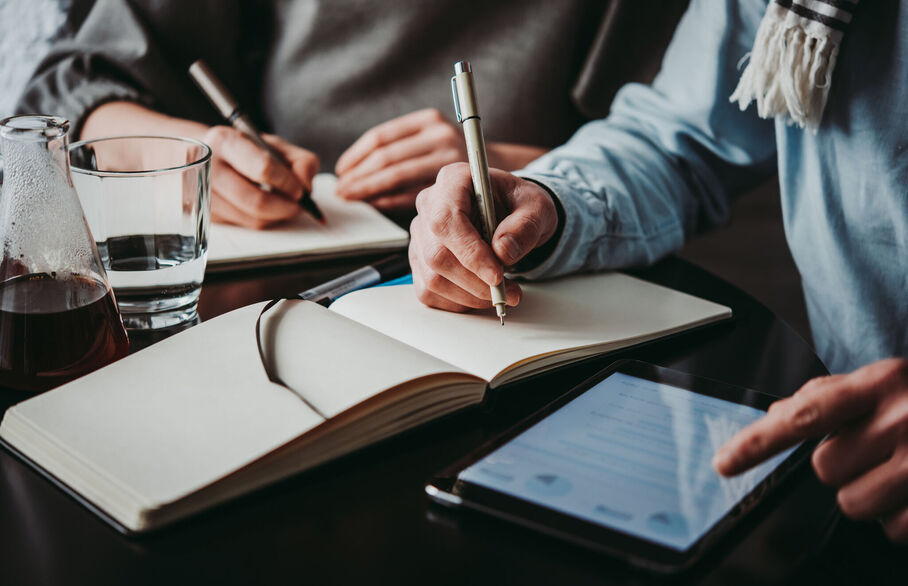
<point>350,227</point>
<point>193,420</point>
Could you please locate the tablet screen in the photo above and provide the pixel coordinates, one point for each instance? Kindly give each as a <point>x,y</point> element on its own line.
<point>630,454</point>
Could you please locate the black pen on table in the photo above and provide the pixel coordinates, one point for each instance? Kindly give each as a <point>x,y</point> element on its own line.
<point>386,269</point>
<point>224,102</point>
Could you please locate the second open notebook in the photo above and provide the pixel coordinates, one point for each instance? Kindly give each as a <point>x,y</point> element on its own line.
<point>351,228</point>
<point>193,420</point>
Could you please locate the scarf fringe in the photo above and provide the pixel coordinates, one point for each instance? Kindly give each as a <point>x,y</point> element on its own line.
<point>788,74</point>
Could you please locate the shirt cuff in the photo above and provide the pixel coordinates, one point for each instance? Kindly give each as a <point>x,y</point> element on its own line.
<point>556,263</point>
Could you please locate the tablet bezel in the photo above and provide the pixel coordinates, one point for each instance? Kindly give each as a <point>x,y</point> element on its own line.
<point>448,490</point>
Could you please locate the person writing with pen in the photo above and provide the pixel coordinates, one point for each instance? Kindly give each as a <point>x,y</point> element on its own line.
<point>350,87</point>
<point>828,80</point>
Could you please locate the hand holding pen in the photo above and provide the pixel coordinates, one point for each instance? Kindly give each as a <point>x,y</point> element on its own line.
<point>453,267</point>
<point>258,179</point>
<point>457,265</point>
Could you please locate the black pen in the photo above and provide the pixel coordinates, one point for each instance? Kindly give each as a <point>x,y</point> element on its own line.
<point>378,272</point>
<point>221,99</point>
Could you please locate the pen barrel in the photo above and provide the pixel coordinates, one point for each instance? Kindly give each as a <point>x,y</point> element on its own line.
<point>245,125</point>
<point>393,266</point>
<point>482,197</point>
<point>499,296</point>
<point>467,111</point>
<point>328,292</point>
<point>482,182</point>
<point>213,89</point>
<point>383,270</point>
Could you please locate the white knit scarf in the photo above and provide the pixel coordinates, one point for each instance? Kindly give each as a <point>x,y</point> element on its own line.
<point>792,59</point>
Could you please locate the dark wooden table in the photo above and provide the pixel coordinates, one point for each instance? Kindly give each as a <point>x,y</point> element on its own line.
<point>365,519</point>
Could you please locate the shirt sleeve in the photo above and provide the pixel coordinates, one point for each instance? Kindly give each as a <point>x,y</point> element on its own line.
<point>137,51</point>
<point>669,157</point>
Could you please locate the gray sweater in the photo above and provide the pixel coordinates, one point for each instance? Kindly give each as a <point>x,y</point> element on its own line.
<point>320,73</point>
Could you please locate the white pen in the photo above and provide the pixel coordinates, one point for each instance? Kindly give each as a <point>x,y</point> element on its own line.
<point>467,112</point>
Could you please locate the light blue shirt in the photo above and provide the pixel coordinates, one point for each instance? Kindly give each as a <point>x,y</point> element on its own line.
<point>670,157</point>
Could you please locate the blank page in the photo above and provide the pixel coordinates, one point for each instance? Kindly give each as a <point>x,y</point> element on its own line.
<point>179,415</point>
<point>351,226</point>
<point>173,417</point>
<point>336,363</point>
<point>572,312</point>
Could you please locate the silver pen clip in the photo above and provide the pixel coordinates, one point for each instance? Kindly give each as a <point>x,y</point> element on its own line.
<point>456,100</point>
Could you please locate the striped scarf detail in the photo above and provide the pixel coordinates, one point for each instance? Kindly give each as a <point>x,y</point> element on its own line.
<point>791,63</point>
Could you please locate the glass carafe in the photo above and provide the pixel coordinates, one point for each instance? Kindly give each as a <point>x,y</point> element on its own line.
<point>58,316</point>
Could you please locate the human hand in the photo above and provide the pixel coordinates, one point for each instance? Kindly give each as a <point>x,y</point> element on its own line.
<point>453,267</point>
<point>390,163</point>
<point>239,168</point>
<point>238,165</point>
<point>865,458</point>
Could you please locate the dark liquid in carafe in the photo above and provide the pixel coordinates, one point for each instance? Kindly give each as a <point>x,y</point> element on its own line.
<point>53,330</point>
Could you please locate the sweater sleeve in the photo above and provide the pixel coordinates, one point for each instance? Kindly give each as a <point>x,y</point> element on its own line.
<point>670,156</point>
<point>137,50</point>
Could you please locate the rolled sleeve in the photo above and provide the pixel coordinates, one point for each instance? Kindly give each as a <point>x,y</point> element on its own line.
<point>138,51</point>
<point>561,259</point>
<point>668,159</point>
<point>61,92</point>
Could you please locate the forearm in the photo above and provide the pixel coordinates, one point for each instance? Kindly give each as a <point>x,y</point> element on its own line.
<point>510,156</point>
<point>116,118</point>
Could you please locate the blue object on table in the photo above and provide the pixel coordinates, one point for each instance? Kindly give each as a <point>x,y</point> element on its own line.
<point>405,280</point>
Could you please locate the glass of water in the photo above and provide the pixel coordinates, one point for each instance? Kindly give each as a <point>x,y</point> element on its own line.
<point>147,201</point>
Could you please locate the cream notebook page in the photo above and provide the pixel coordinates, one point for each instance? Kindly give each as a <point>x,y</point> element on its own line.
<point>580,311</point>
<point>175,417</point>
<point>349,226</point>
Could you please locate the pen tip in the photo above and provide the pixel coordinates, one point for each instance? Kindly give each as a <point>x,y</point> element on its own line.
<point>501,317</point>
<point>307,204</point>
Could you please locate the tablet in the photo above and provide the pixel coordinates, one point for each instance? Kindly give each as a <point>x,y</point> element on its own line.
<point>622,464</point>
